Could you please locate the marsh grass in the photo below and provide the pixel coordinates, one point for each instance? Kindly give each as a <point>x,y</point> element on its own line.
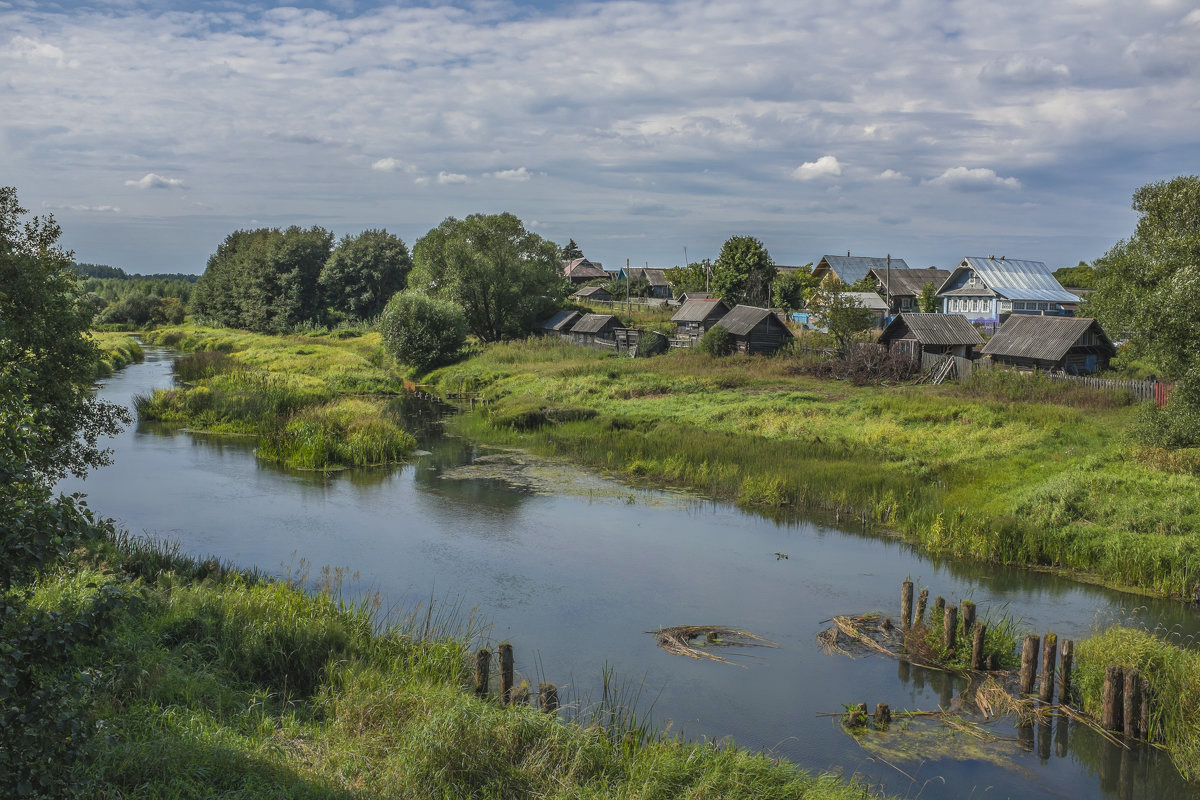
<point>345,433</point>
<point>117,350</point>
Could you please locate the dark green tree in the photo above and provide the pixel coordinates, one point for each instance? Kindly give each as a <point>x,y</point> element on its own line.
<point>422,331</point>
<point>839,313</point>
<point>791,290</point>
<point>743,272</point>
<point>692,278</point>
<point>928,301</point>
<point>571,251</point>
<point>1080,276</point>
<point>364,272</point>
<point>504,278</point>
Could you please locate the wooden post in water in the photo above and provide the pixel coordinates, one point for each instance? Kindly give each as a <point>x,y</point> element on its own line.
<point>883,715</point>
<point>939,611</point>
<point>950,628</point>
<point>922,601</point>
<point>1064,671</point>
<point>1029,654</point>
<point>1145,726</point>
<point>506,672</point>
<point>977,657</point>
<point>548,697</point>
<point>968,617</point>
<point>1133,704</point>
<point>1113,702</point>
<point>906,605</point>
<point>483,668</point>
<point>1049,656</point>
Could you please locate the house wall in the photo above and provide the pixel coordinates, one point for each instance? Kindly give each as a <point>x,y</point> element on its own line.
<point>764,338</point>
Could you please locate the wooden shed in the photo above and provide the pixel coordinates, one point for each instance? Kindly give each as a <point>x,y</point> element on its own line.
<point>560,324</point>
<point>1075,345</point>
<point>755,330</point>
<point>592,293</point>
<point>596,330</point>
<point>695,317</point>
<point>914,334</point>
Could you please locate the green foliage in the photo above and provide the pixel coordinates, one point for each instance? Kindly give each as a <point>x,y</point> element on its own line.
<point>928,301</point>
<point>505,278</point>
<point>792,289</point>
<point>716,341</point>
<point>692,278</point>
<point>138,310</point>
<point>348,433</point>
<point>422,331</point>
<point>570,251</point>
<point>630,286</point>
<point>364,272</point>
<point>842,315</point>
<point>1081,276</point>
<point>743,272</point>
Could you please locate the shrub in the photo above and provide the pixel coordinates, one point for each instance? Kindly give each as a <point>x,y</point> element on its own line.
<point>421,331</point>
<point>716,341</point>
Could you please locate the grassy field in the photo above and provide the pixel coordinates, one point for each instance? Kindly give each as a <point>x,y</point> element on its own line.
<point>212,683</point>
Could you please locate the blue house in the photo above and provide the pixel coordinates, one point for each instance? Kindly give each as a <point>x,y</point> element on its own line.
<point>983,289</point>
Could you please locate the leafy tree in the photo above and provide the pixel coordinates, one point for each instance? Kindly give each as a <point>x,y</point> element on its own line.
<point>1080,276</point>
<point>503,277</point>
<point>716,341</point>
<point>791,290</point>
<point>264,280</point>
<point>364,272</point>
<point>1146,290</point>
<point>692,278</point>
<point>839,313</point>
<point>136,310</point>
<point>928,301</point>
<point>571,252</point>
<point>631,286</point>
<point>743,271</point>
<point>422,331</point>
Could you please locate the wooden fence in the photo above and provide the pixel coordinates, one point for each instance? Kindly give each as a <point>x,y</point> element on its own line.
<point>962,366</point>
<point>1142,390</point>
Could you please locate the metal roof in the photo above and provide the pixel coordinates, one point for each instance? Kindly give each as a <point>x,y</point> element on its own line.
<point>942,330</point>
<point>910,281</point>
<point>594,323</point>
<point>563,320</point>
<point>1042,338</point>
<point>852,269</point>
<point>742,319</point>
<point>1014,279</point>
<point>867,300</point>
<point>700,310</point>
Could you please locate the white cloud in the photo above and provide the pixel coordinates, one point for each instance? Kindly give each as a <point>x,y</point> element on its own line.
<point>980,178</point>
<point>31,50</point>
<point>823,167</point>
<point>387,165</point>
<point>152,180</point>
<point>451,177</point>
<point>84,208</point>
<point>1024,70</point>
<point>892,175</point>
<point>518,174</point>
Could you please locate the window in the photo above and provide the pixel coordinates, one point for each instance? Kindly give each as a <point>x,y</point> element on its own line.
<point>974,304</point>
<point>971,279</point>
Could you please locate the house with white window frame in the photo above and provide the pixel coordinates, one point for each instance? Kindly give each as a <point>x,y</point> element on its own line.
<point>984,289</point>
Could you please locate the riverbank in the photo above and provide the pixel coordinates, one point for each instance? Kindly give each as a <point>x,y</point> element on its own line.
<point>116,350</point>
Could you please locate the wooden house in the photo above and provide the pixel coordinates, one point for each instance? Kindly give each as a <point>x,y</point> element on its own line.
<point>595,329</point>
<point>986,289</point>
<point>902,287</point>
<point>560,324</point>
<point>587,293</point>
<point>695,317</point>
<point>1075,345</point>
<point>871,302</point>
<point>685,296</point>
<point>656,278</point>
<point>851,269</point>
<point>755,330</point>
<point>580,271</point>
<point>914,333</point>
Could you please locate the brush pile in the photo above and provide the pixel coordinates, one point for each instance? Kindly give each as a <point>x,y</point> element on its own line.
<point>694,641</point>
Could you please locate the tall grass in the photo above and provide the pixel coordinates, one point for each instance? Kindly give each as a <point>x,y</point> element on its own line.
<point>347,433</point>
<point>117,350</point>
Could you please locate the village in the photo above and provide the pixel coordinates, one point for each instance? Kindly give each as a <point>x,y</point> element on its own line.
<point>937,317</point>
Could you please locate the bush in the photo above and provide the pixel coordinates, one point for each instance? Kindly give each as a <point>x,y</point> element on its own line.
<point>716,341</point>
<point>421,331</point>
<point>865,364</point>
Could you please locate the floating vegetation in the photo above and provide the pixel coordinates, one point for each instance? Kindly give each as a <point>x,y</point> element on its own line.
<point>867,634</point>
<point>693,641</point>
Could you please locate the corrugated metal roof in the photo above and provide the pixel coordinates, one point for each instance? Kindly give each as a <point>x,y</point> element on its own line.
<point>742,319</point>
<point>1015,279</point>
<point>941,330</point>
<point>868,300</point>
<point>563,320</point>
<point>593,323</point>
<point>700,310</point>
<point>852,269</point>
<point>1041,338</point>
<point>910,281</point>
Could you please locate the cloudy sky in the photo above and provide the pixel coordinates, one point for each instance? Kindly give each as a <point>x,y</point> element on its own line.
<point>928,129</point>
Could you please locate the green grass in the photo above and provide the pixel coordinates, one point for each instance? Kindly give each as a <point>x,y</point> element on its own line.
<point>117,350</point>
<point>212,683</point>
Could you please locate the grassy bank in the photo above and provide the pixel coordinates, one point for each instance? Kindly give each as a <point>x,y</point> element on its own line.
<point>963,471</point>
<point>207,683</point>
<point>313,402</point>
<point>116,350</point>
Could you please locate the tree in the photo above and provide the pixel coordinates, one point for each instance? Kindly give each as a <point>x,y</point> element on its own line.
<point>743,272</point>
<point>364,272</point>
<point>1146,290</point>
<point>840,314</point>
<point>716,341</point>
<point>1080,276</point>
<point>692,278</point>
<point>421,331</point>
<point>44,320</point>
<point>928,301</point>
<point>571,252</point>
<point>503,277</point>
<point>792,289</point>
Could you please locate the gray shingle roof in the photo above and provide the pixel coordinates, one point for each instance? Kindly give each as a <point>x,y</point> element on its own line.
<point>700,310</point>
<point>1015,279</point>
<point>910,281</point>
<point>867,300</point>
<point>588,291</point>
<point>562,321</point>
<point>742,319</point>
<point>593,323</point>
<point>941,330</point>
<point>852,269</point>
<point>1041,338</point>
<point>582,268</point>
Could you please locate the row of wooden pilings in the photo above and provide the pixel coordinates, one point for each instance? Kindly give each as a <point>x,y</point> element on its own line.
<point>510,694</point>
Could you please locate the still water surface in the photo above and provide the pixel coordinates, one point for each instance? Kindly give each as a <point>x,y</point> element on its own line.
<point>574,579</point>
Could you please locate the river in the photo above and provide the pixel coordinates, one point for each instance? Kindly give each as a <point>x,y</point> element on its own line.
<point>576,570</point>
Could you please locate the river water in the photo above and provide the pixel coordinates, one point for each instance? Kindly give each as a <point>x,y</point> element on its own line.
<point>575,576</point>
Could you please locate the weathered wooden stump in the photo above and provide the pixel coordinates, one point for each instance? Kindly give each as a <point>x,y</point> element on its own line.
<point>883,715</point>
<point>1064,671</point>
<point>950,628</point>
<point>548,697</point>
<point>939,611</point>
<point>977,656</point>
<point>906,605</point>
<point>1113,703</point>
<point>1133,704</point>
<point>506,672</point>
<point>483,668</point>
<point>922,602</point>
<point>1049,656</point>
<point>1145,726</point>
<point>1029,654</point>
<point>968,617</point>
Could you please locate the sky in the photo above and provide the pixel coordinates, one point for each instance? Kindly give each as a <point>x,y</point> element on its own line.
<point>929,130</point>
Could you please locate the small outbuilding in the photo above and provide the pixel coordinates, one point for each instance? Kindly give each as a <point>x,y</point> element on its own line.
<point>560,324</point>
<point>595,329</point>
<point>1075,345</point>
<point>695,317</point>
<point>940,334</point>
<point>598,293</point>
<point>755,330</point>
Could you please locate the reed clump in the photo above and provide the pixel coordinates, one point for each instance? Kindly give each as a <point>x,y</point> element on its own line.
<point>117,350</point>
<point>345,433</point>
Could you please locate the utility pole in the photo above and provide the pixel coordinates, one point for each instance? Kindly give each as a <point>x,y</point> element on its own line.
<point>888,288</point>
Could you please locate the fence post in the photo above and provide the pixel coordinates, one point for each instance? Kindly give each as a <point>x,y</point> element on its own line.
<point>1113,702</point>
<point>906,603</point>
<point>548,697</point>
<point>1029,654</point>
<point>506,672</point>
<point>1049,656</point>
<point>1064,672</point>
<point>483,667</point>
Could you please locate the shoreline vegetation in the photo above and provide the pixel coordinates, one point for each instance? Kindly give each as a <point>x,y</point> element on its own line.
<point>1005,468</point>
